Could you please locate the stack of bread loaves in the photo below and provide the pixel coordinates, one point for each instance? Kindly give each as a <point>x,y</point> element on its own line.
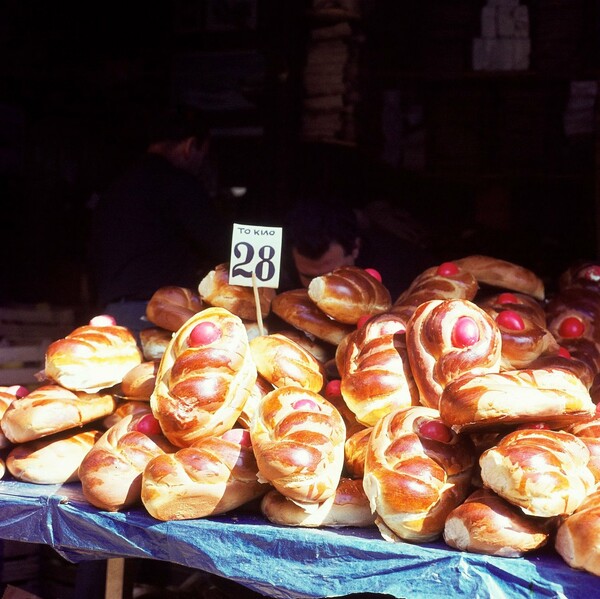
<point>464,411</point>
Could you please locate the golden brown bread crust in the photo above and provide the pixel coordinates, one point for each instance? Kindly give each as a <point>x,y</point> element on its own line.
<point>171,306</point>
<point>213,476</point>
<point>348,293</point>
<point>297,309</point>
<point>215,290</point>
<point>322,351</point>
<point>140,381</point>
<point>494,401</point>
<point>544,472</point>
<point>376,378</point>
<point>154,341</point>
<point>438,352</point>
<point>52,460</point>
<point>355,451</point>
<point>92,358</point>
<point>283,362</point>
<point>7,396</point>
<point>413,481</point>
<point>126,408</point>
<point>577,537</point>
<point>436,283</point>
<point>111,473</point>
<point>503,274</point>
<point>51,409</point>
<point>349,506</point>
<point>298,439</point>
<point>487,524</point>
<point>201,389</point>
<point>519,302</point>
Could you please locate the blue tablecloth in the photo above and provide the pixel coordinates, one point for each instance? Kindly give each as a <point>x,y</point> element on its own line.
<point>277,561</point>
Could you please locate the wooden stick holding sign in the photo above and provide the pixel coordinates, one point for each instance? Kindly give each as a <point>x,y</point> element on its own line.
<point>255,260</point>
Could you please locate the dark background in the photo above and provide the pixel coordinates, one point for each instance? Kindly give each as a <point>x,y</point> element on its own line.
<point>80,83</point>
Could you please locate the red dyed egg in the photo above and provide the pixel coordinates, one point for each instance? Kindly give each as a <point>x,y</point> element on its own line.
<point>204,333</point>
<point>571,328</point>
<point>374,273</point>
<point>238,435</point>
<point>508,298</point>
<point>333,388</point>
<point>308,405</point>
<point>465,332</point>
<point>510,320</point>
<point>148,425</point>
<point>436,431</point>
<point>447,269</point>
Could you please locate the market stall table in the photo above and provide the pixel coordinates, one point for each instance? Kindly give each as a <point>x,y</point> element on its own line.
<point>284,562</point>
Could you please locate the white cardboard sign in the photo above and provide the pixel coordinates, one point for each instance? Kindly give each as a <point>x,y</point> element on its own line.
<point>255,249</point>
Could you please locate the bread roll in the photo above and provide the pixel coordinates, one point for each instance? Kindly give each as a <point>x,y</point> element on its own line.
<point>496,400</point>
<point>503,274</point>
<point>487,524</point>
<point>283,362</point>
<point>171,306</point>
<point>348,293</point>
<point>416,472</point>
<point>349,506</point>
<point>139,382</point>
<point>584,274</point>
<point>260,388</point>
<point>376,378</point>
<point>297,309</point>
<point>215,290</point>
<point>7,396</point>
<point>51,409</point>
<point>448,338</point>
<point>544,472</point>
<point>111,473</point>
<point>355,452</point>
<point>589,433</point>
<point>578,537</point>
<point>124,409</point>
<point>213,476</point>
<point>154,342</point>
<point>92,358</point>
<point>204,378</point>
<point>52,460</point>
<point>322,351</point>
<point>298,439</point>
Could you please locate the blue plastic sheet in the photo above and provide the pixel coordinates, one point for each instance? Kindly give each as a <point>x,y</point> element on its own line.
<point>277,561</point>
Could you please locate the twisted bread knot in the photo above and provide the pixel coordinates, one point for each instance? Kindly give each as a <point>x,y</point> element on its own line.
<point>416,471</point>
<point>448,338</point>
<point>574,314</point>
<point>544,472</point>
<point>212,476</point>
<point>375,374</point>
<point>589,433</point>
<point>349,292</point>
<point>446,281</point>
<point>204,378</point>
<point>111,473</point>
<point>298,438</point>
<point>92,358</point>
<point>170,307</point>
<point>494,401</point>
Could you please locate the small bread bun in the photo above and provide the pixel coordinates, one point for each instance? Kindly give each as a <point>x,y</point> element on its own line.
<point>154,341</point>
<point>171,306</point>
<point>348,507</point>
<point>215,290</point>
<point>487,524</point>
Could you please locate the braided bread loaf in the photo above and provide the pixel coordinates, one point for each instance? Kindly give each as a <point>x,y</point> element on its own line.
<point>494,401</point>
<point>298,438</point>
<point>51,409</point>
<point>212,476</point>
<point>416,472</point>
<point>204,378</point>
<point>111,473</point>
<point>375,374</point>
<point>92,358</point>
<point>448,338</point>
<point>544,472</point>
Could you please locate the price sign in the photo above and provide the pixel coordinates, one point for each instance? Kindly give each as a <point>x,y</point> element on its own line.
<point>255,249</point>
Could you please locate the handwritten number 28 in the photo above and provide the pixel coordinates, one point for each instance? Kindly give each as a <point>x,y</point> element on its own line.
<point>265,269</point>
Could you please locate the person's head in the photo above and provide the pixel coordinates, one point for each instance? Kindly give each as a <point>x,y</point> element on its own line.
<point>322,236</point>
<point>182,136</point>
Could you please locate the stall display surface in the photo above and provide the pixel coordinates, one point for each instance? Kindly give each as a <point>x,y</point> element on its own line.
<point>278,561</point>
